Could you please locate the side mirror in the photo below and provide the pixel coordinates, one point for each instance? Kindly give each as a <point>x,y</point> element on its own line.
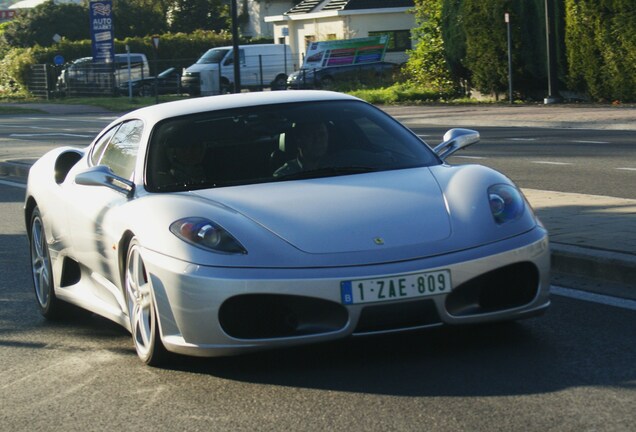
<point>101,175</point>
<point>454,140</point>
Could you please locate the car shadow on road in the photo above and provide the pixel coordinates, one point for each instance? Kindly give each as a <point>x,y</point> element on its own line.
<point>527,357</point>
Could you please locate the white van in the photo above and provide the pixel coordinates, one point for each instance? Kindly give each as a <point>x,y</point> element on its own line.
<point>262,65</point>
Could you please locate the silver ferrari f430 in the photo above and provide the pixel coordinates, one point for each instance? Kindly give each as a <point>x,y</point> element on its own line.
<point>226,224</point>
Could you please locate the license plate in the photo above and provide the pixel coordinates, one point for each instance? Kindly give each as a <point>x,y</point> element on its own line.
<point>395,287</point>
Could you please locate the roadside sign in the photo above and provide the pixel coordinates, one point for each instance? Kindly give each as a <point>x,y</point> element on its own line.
<point>7,14</point>
<point>101,26</point>
<point>346,52</point>
<point>58,60</point>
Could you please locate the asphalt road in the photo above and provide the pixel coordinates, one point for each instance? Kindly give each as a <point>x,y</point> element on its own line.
<point>570,370</point>
<point>596,162</point>
<point>593,162</point>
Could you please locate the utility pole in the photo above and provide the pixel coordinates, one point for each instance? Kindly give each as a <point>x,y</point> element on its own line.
<point>235,48</point>
<point>507,19</point>
<point>549,31</point>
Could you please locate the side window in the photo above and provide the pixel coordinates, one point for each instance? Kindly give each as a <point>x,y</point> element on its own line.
<point>121,152</point>
<point>230,57</point>
<point>98,148</point>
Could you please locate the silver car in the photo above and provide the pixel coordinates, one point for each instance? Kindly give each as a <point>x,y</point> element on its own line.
<point>212,227</point>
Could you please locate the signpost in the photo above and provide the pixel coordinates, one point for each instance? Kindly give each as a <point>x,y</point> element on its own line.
<point>7,14</point>
<point>155,44</point>
<point>101,27</point>
<point>507,19</point>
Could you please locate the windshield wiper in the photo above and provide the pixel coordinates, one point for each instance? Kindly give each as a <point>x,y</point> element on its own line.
<point>327,172</point>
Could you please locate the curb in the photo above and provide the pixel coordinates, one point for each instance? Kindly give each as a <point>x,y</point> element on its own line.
<point>611,272</point>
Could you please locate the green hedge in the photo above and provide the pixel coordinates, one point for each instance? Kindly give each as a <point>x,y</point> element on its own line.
<point>178,49</point>
<point>601,48</point>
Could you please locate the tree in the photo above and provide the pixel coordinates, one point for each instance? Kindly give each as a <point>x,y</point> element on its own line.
<point>37,26</point>
<point>137,18</point>
<point>189,15</point>
<point>601,47</point>
<point>486,44</point>
<point>427,65</point>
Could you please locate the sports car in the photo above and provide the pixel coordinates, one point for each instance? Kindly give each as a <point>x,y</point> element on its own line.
<point>210,227</point>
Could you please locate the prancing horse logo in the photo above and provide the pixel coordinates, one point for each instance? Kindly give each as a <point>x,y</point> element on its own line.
<point>379,241</point>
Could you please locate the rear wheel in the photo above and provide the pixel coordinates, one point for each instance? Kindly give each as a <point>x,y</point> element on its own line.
<point>326,82</point>
<point>145,90</point>
<point>142,312</point>
<point>49,305</point>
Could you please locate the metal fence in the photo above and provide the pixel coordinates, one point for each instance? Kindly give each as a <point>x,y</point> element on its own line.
<point>41,80</point>
<point>91,79</point>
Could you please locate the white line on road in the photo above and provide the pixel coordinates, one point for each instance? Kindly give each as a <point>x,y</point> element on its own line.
<point>627,169</point>
<point>92,120</point>
<point>471,157</point>
<point>49,134</point>
<point>14,184</point>
<point>593,297</point>
<point>523,139</point>
<point>589,142</point>
<point>551,163</point>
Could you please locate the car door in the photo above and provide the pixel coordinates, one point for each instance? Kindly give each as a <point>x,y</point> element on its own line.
<point>97,210</point>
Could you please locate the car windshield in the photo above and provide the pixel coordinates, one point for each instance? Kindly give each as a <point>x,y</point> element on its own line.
<point>282,142</point>
<point>166,73</point>
<point>212,56</point>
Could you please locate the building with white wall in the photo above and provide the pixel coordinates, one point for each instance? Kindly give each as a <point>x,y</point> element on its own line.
<point>319,20</point>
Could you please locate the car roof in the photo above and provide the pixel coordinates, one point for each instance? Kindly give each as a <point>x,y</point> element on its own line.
<point>156,113</point>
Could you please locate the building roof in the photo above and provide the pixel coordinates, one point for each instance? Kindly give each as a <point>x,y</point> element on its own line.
<point>310,6</point>
<point>28,4</point>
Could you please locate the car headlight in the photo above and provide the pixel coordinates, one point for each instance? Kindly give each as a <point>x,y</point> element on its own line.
<point>506,203</point>
<point>207,235</point>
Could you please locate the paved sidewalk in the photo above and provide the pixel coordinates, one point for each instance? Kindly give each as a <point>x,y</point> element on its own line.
<point>593,238</point>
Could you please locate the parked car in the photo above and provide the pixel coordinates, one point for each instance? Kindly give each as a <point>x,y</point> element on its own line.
<point>167,82</point>
<point>327,76</point>
<point>178,223</point>
<point>83,76</point>
<point>261,65</point>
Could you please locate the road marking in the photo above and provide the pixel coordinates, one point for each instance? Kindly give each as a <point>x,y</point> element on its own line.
<point>523,139</point>
<point>627,169</point>
<point>551,163</point>
<point>594,298</point>
<point>470,157</point>
<point>589,142</point>
<point>49,134</point>
<point>14,184</point>
<point>93,120</point>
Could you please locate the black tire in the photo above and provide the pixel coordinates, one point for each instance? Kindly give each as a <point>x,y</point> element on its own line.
<point>326,82</point>
<point>280,83</point>
<point>225,86</point>
<point>142,310</point>
<point>145,91</point>
<point>41,271</point>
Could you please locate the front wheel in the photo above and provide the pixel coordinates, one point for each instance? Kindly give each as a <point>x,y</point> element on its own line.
<point>48,303</point>
<point>142,312</point>
<point>280,83</point>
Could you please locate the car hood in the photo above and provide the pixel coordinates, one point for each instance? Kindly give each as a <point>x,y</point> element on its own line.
<point>198,67</point>
<point>353,213</point>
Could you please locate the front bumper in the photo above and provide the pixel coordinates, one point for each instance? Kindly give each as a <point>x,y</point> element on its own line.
<point>210,311</point>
